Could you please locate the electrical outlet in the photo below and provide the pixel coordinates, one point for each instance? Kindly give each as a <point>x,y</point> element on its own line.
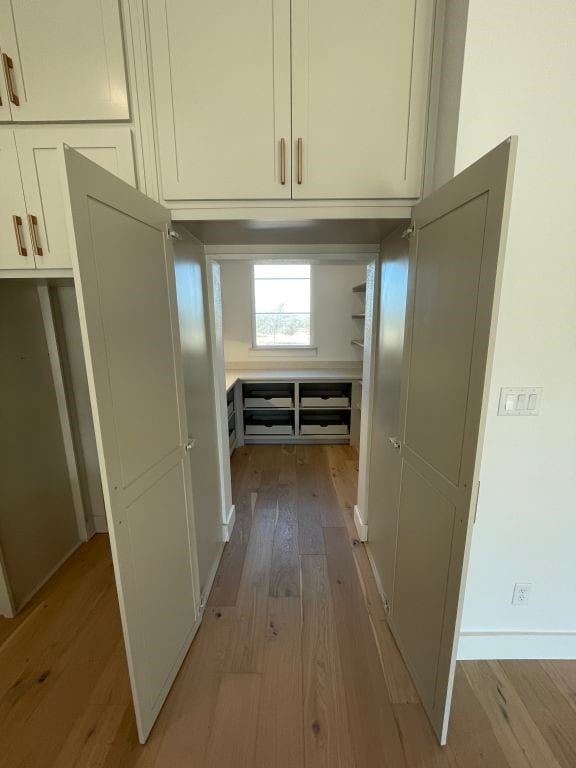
<point>521,594</point>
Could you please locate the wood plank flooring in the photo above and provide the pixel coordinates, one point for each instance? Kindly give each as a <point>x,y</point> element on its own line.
<point>293,666</point>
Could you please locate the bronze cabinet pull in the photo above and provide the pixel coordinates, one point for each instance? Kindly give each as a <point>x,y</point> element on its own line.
<point>17,221</point>
<point>33,224</point>
<point>299,160</point>
<point>282,161</point>
<point>8,68</point>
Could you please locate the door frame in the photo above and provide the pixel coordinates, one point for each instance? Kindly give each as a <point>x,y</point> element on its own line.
<point>316,255</point>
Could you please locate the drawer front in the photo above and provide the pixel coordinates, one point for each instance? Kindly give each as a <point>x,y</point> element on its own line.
<point>268,402</point>
<point>268,429</point>
<point>327,429</point>
<point>325,402</point>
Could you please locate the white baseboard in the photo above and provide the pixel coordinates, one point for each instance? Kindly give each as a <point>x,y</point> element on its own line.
<point>228,526</point>
<point>474,646</point>
<point>361,529</point>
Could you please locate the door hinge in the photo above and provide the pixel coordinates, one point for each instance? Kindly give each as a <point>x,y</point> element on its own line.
<point>190,443</point>
<point>173,235</point>
<point>409,231</point>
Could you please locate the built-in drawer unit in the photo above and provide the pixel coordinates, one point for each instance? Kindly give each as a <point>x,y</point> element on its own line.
<point>268,422</point>
<point>325,395</point>
<point>324,422</point>
<point>268,395</point>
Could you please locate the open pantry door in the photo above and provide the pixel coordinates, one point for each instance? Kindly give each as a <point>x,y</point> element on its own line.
<point>124,279</point>
<point>455,263</point>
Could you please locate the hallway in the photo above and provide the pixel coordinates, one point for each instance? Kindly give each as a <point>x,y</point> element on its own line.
<point>293,665</point>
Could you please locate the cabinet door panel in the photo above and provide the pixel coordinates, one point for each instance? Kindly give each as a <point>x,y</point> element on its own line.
<point>222,90</point>
<point>360,75</point>
<point>111,148</point>
<point>12,204</point>
<point>68,59</point>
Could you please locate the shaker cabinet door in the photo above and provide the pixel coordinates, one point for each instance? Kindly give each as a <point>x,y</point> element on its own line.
<point>15,250</point>
<point>222,98</point>
<point>110,147</point>
<point>360,74</point>
<point>67,60</point>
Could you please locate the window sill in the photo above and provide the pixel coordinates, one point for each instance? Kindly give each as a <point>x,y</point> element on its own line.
<point>278,348</point>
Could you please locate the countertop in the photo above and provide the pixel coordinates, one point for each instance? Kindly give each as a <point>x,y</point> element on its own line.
<point>293,374</point>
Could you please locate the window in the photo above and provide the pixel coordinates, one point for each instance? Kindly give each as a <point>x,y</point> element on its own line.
<point>282,305</point>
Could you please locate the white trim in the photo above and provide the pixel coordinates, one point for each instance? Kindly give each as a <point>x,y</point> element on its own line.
<point>473,646</point>
<point>63,412</point>
<point>228,526</point>
<point>216,341</point>
<point>361,527</point>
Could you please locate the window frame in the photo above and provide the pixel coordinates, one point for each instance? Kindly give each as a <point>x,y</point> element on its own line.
<point>282,347</point>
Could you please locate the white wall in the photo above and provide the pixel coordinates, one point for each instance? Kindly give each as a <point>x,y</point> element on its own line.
<point>333,303</point>
<point>520,78</point>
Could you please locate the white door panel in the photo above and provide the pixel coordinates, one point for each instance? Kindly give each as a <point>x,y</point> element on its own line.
<point>68,59</point>
<point>222,92</point>
<point>124,277</point>
<point>360,74</point>
<point>455,265</point>
<point>15,251</point>
<point>110,147</point>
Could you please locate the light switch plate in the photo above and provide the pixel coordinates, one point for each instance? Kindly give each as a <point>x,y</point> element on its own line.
<point>520,401</point>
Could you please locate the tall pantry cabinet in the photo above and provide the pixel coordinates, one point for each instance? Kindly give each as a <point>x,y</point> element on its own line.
<point>279,100</point>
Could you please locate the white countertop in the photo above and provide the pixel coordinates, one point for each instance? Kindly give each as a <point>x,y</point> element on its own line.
<point>293,374</point>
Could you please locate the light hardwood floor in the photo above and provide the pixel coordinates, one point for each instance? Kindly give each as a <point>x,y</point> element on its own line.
<point>293,665</point>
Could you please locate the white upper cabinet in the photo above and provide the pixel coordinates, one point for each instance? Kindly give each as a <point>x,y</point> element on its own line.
<point>14,242</point>
<point>62,61</point>
<point>222,92</point>
<point>360,74</point>
<point>328,96</point>
<point>33,230</point>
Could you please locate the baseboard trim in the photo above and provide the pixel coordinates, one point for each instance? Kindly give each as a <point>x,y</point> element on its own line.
<point>228,526</point>
<point>474,646</point>
<point>361,528</point>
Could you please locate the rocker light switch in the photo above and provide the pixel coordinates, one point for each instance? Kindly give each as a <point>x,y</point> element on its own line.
<point>519,401</point>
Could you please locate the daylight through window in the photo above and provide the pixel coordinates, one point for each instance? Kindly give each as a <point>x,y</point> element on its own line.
<point>282,305</point>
